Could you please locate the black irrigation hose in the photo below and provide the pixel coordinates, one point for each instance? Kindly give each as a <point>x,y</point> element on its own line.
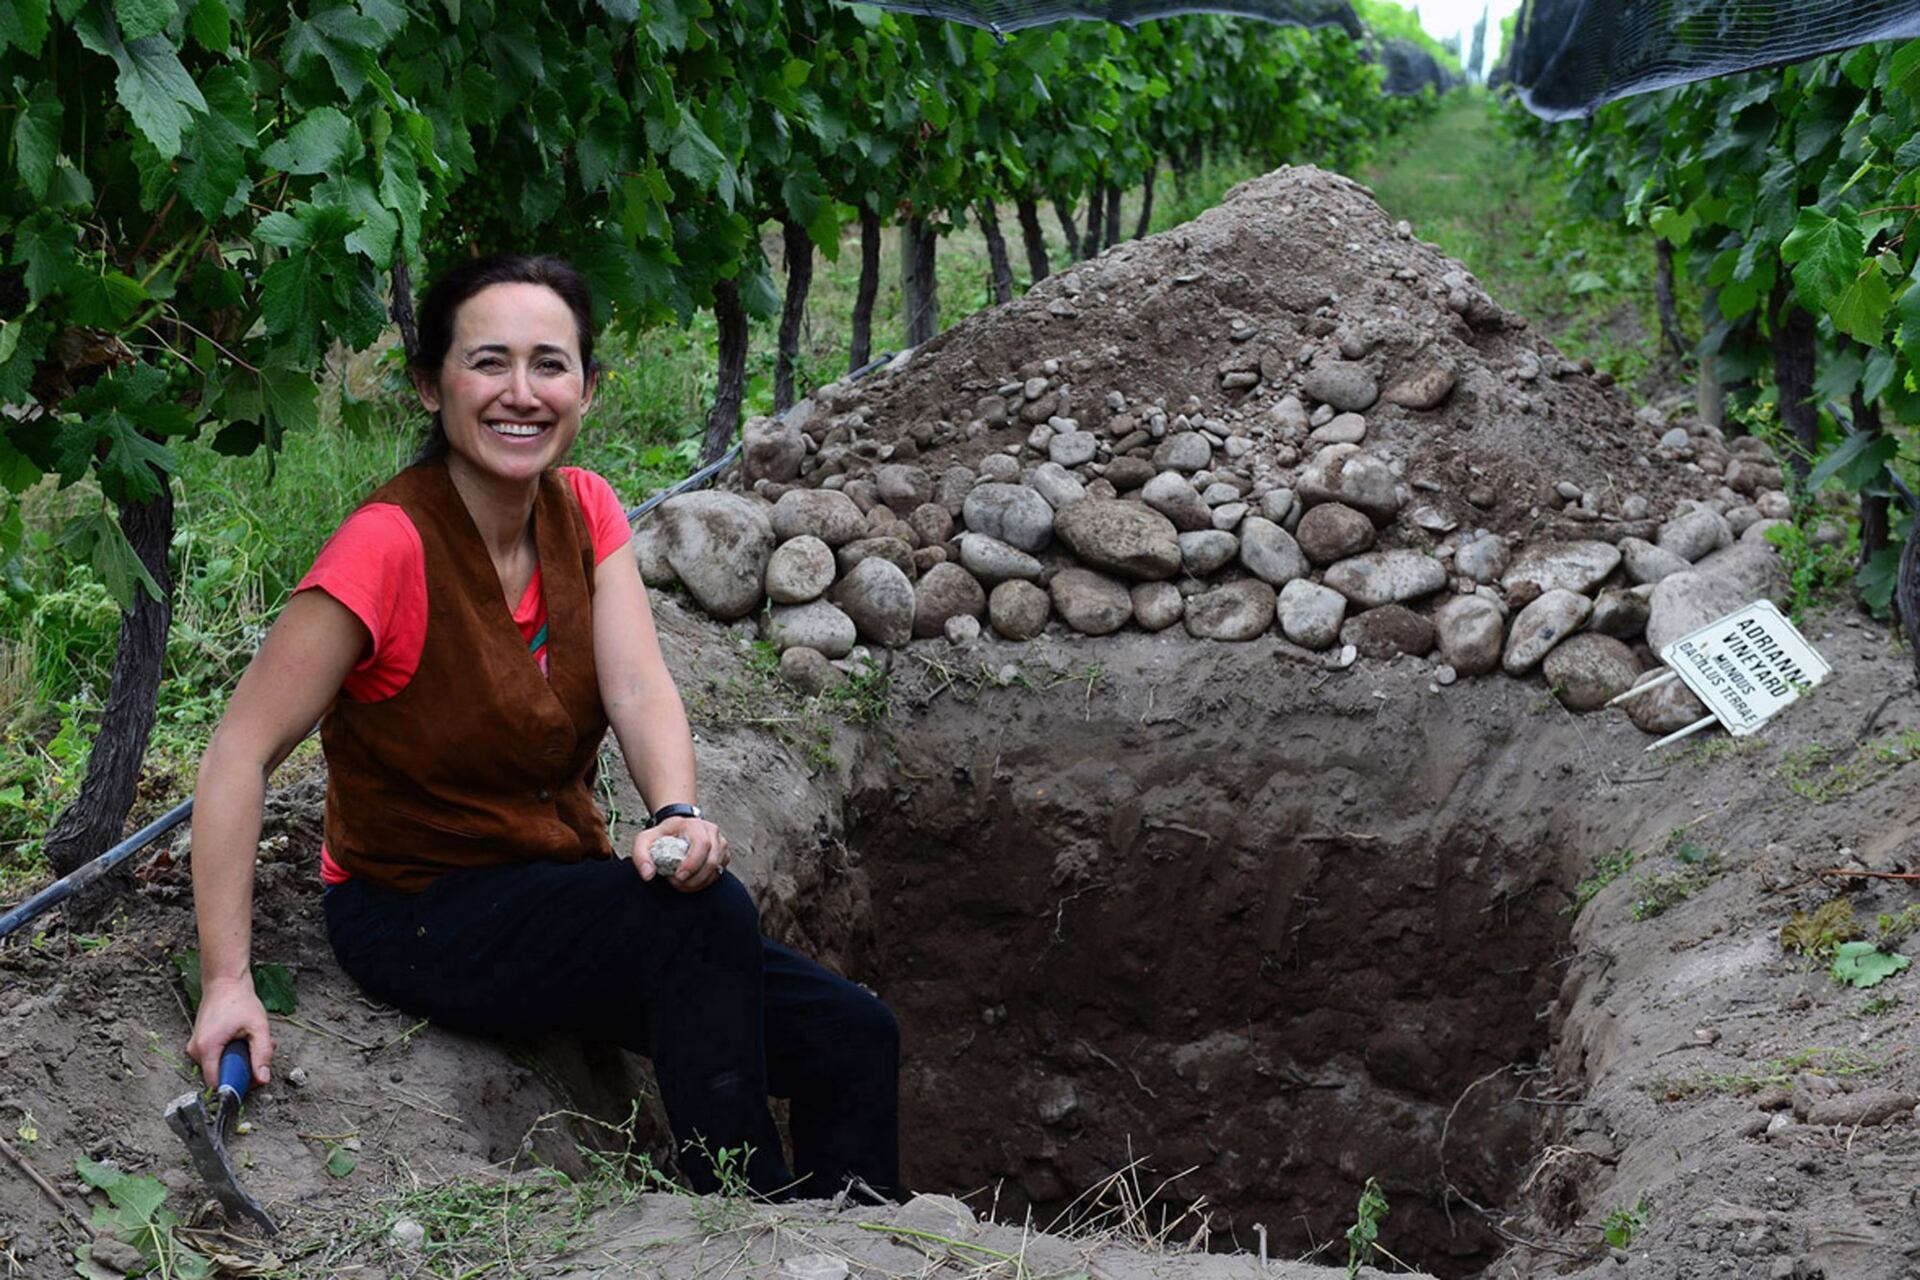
<point>65,887</point>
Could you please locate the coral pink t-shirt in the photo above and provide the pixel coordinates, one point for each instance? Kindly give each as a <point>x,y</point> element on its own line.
<point>374,564</point>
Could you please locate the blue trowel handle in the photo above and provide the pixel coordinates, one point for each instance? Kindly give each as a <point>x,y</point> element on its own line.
<point>236,1069</point>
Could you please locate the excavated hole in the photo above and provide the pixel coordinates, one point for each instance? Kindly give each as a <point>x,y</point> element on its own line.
<point>1275,963</point>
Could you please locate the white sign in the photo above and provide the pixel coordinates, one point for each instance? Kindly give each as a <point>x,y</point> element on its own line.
<point>1747,666</point>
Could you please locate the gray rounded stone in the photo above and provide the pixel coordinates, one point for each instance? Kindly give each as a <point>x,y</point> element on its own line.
<point>893,550</point>
<point>718,545</point>
<point>1694,534</point>
<point>771,450</point>
<point>1189,451</point>
<point>1207,551</point>
<point>945,591</point>
<point>1543,624</point>
<point>902,487</point>
<point>1469,630</point>
<point>1347,473</point>
<point>1647,563</point>
<point>821,513</point>
<point>1057,485</point>
<point>816,625</point>
<point>800,569</point>
<point>1126,538</point>
<point>1349,388</point>
<point>1333,531</point>
<point>1091,603</point>
<point>809,670</point>
<point>1584,671</point>
<point>1567,566</point>
<point>879,599</point>
<point>1387,577</point>
<point>1270,553</point>
<point>1668,709</point>
<point>993,561</point>
<point>1310,614</point>
<point>1685,602</point>
<point>1073,449</point>
<point>1619,613</point>
<point>1482,559</point>
<point>1157,605</point>
<point>1174,497</point>
<point>650,549</point>
<point>1012,513</point>
<point>932,522</point>
<point>1018,609</point>
<point>1236,611</point>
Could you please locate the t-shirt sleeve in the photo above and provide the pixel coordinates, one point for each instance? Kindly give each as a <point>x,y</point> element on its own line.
<point>606,518</point>
<point>374,564</point>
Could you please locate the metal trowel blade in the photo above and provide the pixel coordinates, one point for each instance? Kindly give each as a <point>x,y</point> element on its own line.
<point>187,1116</point>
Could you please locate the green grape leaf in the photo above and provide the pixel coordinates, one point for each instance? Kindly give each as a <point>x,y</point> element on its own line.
<point>1860,310</point>
<point>694,155</point>
<point>1861,964</point>
<point>36,139</point>
<point>212,26</point>
<point>1858,460</point>
<point>152,85</point>
<point>213,173</point>
<point>140,1196</point>
<point>23,340</point>
<point>1826,253</point>
<point>292,397</point>
<point>44,245</point>
<point>317,143</point>
<point>273,983</point>
<point>1675,226</point>
<point>1908,309</point>
<point>24,24</point>
<point>106,300</point>
<point>342,38</point>
<point>97,539</point>
<point>340,1162</point>
<point>143,17</point>
<point>1877,577</point>
<point>188,963</point>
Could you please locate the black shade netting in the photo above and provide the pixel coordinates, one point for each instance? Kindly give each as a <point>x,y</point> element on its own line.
<point>1570,57</point>
<point>1012,15</point>
<point>1408,68</point>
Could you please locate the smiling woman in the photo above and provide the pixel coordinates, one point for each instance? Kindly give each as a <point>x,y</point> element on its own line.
<point>467,638</point>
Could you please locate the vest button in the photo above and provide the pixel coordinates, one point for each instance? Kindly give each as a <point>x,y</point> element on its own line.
<point>543,795</point>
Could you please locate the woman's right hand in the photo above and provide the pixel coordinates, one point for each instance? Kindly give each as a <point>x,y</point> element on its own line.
<point>230,1010</point>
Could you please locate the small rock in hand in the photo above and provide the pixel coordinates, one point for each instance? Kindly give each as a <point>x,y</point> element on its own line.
<point>668,852</point>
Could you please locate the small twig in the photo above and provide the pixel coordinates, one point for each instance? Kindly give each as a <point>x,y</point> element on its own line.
<point>317,1029</point>
<point>46,1188</point>
<point>1869,875</point>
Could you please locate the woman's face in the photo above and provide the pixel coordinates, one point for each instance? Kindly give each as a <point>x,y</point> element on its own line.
<point>512,387</point>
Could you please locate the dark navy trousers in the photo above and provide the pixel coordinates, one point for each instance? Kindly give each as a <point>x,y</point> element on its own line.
<point>728,1017</point>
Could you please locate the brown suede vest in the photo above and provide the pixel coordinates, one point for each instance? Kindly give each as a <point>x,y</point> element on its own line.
<point>480,760</point>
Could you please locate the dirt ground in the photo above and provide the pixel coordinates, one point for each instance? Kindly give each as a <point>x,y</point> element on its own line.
<point>1176,822</point>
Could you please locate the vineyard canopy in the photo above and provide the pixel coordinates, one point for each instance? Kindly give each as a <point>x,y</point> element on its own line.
<point>1571,57</point>
<point>1012,15</point>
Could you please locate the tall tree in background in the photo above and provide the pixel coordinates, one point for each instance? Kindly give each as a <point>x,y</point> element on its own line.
<point>1477,58</point>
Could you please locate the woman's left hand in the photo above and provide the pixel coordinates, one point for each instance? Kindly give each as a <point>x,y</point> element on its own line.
<point>706,852</point>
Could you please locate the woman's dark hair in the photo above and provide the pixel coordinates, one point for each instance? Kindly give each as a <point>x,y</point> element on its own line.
<point>444,298</point>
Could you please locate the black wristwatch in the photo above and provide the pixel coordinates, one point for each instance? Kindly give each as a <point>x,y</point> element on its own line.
<point>666,811</point>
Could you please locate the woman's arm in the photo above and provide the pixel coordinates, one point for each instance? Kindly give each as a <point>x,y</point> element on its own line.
<point>648,719</point>
<point>285,689</point>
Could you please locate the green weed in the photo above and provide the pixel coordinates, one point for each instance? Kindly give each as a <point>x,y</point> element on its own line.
<point>1816,936</point>
<point>1823,774</point>
<point>1364,1235</point>
<point>1835,1062</point>
<point>136,1213</point>
<point>1622,1225</point>
<point>1607,868</point>
<point>1654,895</point>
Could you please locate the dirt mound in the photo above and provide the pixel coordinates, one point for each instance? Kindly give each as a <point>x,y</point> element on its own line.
<point>1288,416</point>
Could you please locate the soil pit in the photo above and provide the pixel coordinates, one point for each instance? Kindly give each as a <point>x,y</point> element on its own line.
<point>1267,965</point>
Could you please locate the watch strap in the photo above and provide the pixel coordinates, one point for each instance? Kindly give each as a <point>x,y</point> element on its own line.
<point>679,810</point>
